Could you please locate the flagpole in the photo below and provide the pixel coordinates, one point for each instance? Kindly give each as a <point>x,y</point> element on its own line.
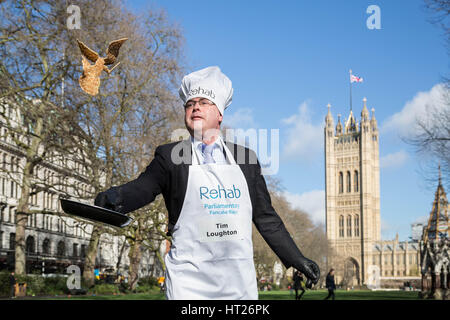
<point>350,90</point>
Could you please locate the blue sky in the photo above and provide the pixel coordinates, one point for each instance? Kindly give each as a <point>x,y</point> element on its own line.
<point>289,59</point>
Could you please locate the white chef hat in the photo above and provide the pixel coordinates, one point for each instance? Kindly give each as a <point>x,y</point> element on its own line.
<point>208,83</point>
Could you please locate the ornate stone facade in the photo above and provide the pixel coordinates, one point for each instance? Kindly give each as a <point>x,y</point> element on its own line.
<point>435,249</point>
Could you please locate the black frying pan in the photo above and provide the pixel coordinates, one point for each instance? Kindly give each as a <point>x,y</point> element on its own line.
<point>95,213</point>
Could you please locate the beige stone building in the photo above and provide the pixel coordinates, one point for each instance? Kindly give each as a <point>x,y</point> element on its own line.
<point>53,240</point>
<point>352,191</point>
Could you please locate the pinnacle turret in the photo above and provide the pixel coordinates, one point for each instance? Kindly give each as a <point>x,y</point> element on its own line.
<point>329,118</point>
<point>339,126</point>
<point>373,121</point>
<point>364,112</point>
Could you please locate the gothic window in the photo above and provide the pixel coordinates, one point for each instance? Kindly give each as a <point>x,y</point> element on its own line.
<point>46,246</point>
<point>355,181</point>
<point>341,182</point>
<point>29,245</point>
<point>349,182</point>
<point>75,250</point>
<point>61,249</point>
<point>341,226</point>
<point>349,226</point>
<point>12,241</point>
<point>356,224</point>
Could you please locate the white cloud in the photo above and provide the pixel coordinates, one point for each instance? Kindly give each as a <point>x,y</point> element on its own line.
<point>396,159</point>
<point>404,122</point>
<point>311,202</point>
<point>241,118</point>
<point>304,139</point>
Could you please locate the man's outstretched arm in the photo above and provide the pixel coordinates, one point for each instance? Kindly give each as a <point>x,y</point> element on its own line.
<point>274,232</point>
<point>139,192</point>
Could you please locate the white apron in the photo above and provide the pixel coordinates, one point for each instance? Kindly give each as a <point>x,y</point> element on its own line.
<point>211,256</point>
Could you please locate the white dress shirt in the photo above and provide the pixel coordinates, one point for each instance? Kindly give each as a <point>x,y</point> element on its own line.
<point>217,152</point>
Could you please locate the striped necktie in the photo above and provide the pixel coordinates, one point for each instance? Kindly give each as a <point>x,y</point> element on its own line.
<point>207,150</point>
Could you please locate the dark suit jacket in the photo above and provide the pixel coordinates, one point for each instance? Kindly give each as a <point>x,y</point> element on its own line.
<point>169,177</point>
<point>329,283</point>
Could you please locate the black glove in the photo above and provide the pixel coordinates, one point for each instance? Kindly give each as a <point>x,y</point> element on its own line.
<point>310,269</point>
<point>110,199</point>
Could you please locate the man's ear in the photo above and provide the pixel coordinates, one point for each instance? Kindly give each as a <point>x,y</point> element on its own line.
<point>220,118</point>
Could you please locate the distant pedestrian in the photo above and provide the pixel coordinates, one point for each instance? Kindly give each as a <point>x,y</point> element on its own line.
<point>329,283</point>
<point>298,284</point>
<point>12,285</point>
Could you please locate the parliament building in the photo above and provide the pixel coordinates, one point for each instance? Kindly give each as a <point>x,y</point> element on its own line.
<point>352,191</point>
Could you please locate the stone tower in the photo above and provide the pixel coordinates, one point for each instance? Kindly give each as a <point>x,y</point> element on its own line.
<point>352,194</point>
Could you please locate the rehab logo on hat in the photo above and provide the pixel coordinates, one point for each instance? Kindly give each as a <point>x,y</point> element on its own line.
<point>200,90</point>
<point>208,83</point>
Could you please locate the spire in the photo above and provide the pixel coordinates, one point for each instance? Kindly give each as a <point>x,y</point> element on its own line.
<point>440,176</point>
<point>373,121</point>
<point>364,112</point>
<point>437,227</point>
<point>329,118</point>
<point>350,124</point>
<point>339,126</point>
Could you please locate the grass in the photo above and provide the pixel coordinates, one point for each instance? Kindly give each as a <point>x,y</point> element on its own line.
<point>341,295</point>
<point>268,295</point>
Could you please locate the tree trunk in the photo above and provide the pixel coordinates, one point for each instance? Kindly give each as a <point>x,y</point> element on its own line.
<point>119,259</point>
<point>134,255</point>
<point>21,224</point>
<point>91,254</point>
<point>20,257</point>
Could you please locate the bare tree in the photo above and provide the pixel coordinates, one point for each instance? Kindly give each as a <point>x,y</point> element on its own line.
<point>34,122</point>
<point>309,237</point>
<point>136,107</point>
<point>432,137</point>
<point>40,64</point>
<point>432,140</point>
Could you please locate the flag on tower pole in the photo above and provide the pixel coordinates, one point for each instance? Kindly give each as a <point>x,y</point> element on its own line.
<point>353,78</point>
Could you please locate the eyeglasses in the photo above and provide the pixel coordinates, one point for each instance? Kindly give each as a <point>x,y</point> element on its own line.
<point>202,103</point>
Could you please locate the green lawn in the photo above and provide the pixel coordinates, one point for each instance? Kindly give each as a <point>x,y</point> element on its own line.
<point>342,295</point>
<point>272,295</point>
